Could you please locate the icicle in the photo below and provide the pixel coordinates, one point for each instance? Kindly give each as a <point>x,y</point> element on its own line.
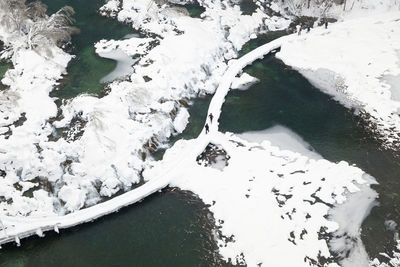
<point>17,241</point>
<point>39,232</point>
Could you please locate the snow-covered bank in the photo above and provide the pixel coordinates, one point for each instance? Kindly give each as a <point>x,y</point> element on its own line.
<point>268,202</point>
<point>26,108</point>
<point>346,241</point>
<point>394,260</point>
<point>349,62</point>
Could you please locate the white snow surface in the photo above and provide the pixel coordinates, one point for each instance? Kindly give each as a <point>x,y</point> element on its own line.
<point>282,137</point>
<point>123,52</point>
<point>348,62</point>
<point>327,9</point>
<point>346,241</point>
<point>266,198</point>
<point>393,260</point>
<point>25,109</point>
<point>244,82</point>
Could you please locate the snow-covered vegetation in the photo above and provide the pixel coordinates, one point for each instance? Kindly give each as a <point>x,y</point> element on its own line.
<point>333,9</point>
<point>28,26</point>
<point>26,106</point>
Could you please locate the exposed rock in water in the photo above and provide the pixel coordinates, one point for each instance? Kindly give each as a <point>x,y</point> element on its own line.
<point>214,156</point>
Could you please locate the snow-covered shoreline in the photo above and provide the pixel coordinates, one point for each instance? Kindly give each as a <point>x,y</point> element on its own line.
<point>350,62</point>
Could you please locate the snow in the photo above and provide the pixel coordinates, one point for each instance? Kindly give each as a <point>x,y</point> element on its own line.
<point>393,261</point>
<point>245,196</point>
<point>353,71</point>
<point>73,197</point>
<point>123,68</point>
<point>394,83</point>
<point>110,172</point>
<point>181,120</point>
<point>243,82</point>
<point>123,52</point>
<point>110,138</point>
<point>352,9</point>
<point>282,137</point>
<point>25,109</point>
<point>346,241</point>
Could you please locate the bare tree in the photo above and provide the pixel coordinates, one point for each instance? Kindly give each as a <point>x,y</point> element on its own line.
<point>55,29</point>
<point>31,23</point>
<point>36,10</point>
<point>14,14</point>
<point>295,7</point>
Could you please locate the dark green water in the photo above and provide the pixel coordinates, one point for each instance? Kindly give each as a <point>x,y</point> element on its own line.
<point>247,6</point>
<point>284,97</point>
<point>86,70</point>
<point>166,229</point>
<point>4,66</point>
<point>194,9</point>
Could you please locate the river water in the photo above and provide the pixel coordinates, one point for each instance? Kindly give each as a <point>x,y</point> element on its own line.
<point>172,228</point>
